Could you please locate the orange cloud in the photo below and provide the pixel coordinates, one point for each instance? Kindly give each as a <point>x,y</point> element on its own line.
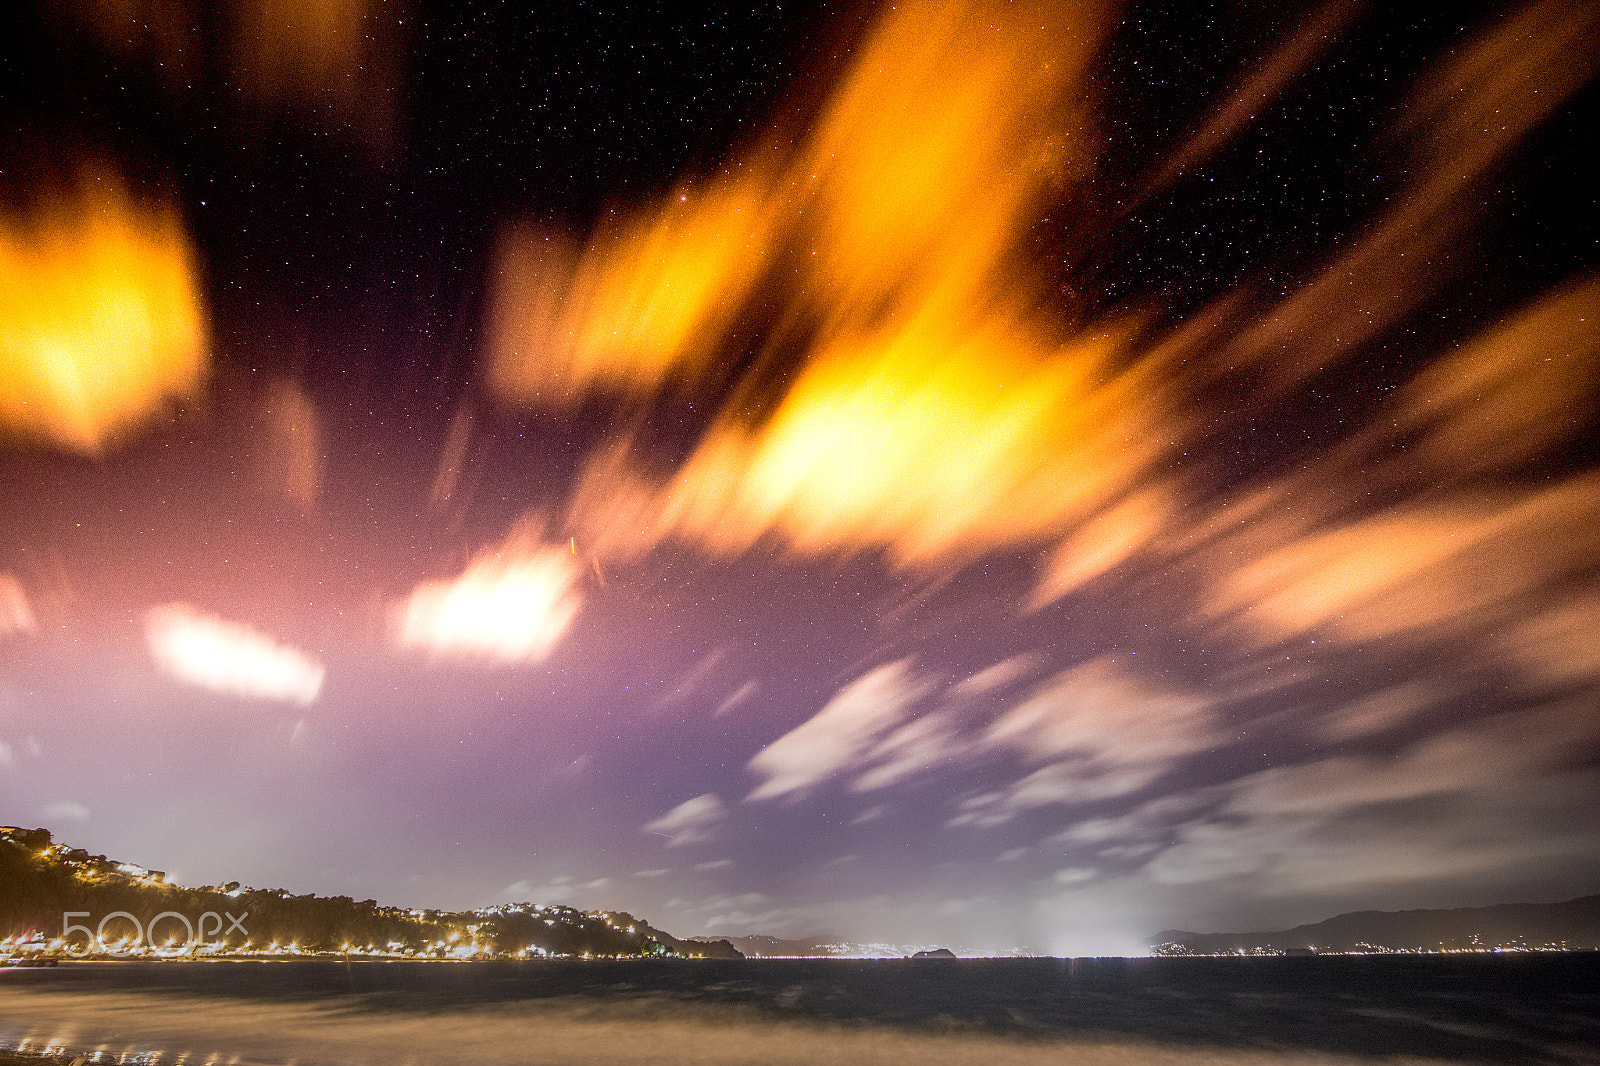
<point>644,301</point>
<point>512,603</point>
<point>1461,122</point>
<point>101,324</point>
<point>1414,568</point>
<point>937,411</point>
<point>210,652</point>
<point>931,440</point>
<point>1511,393</point>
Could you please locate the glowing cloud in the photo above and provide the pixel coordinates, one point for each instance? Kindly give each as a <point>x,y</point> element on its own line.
<point>512,603</point>
<point>641,303</point>
<point>937,411</point>
<point>209,652</point>
<point>100,317</point>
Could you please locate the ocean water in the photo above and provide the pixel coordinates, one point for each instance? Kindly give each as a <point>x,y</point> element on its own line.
<point>1489,1009</point>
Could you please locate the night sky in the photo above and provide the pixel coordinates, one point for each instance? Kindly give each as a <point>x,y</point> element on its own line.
<point>1008,475</point>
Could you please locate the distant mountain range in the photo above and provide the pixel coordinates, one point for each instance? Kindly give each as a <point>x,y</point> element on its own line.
<point>771,947</point>
<point>1570,926</point>
<point>758,946</point>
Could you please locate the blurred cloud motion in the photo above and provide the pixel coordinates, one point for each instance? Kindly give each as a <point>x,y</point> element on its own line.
<point>691,822</point>
<point>291,460</point>
<point>512,603</point>
<point>938,411</point>
<point>16,615</point>
<point>210,652</point>
<point>101,322</point>
<point>332,63</point>
<point>644,302</point>
<point>1151,445</point>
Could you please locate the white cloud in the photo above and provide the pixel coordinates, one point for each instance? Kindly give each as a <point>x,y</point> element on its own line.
<point>1146,820</point>
<point>841,735</point>
<point>651,873</point>
<point>715,864</point>
<point>210,652</point>
<point>512,603</point>
<point>1075,875</point>
<point>563,889</point>
<point>1490,799</point>
<point>913,747</point>
<point>747,912</point>
<point>1103,712</point>
<point>1100,731</point>
<point>690,822</point>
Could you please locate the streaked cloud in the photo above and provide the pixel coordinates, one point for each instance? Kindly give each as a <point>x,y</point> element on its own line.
<point>1104,711</point>
<point>101,321</point>
<point>738,697</point>
<point>1095,731</point>
<point>999,676</point>
<point>1075,875</point>
<point>16,614</point>
<point>1382,710</point>
<point>690,822</point>
<point>843,736</point>
<point>563,889</point>
<point>332,62</point>
<point>290,447</point>
<point>1264,84</point>
<point>513,603</point>
<point>209,652</point>
<point>646,300</point>
<point>1441,809</point>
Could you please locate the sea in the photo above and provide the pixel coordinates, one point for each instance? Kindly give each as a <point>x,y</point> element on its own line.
<point>1539,1008</point>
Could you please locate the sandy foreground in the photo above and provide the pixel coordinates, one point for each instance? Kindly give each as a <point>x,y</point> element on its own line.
<point>195,1031</point>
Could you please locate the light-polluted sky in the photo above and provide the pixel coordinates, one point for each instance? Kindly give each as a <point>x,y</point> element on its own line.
<point>1018,476</point>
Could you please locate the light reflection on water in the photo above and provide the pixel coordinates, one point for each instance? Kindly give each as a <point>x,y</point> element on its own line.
<point>1110,1012</point>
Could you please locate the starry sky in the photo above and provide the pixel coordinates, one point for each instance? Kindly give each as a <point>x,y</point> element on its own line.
<point>1018,476</point>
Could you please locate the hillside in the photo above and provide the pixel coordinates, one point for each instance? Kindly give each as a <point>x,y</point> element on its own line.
<point>43,882</point>
<point>1570,926</point>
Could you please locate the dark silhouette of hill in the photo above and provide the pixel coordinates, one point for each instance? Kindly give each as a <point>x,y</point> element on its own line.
<point>41,882</point>
<point>1573,926</point>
